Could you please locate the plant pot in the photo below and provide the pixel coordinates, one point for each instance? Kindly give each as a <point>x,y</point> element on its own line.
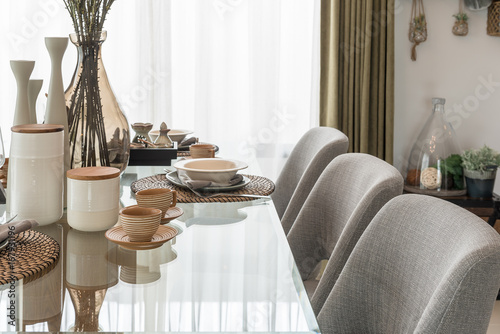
<point>480,184</point>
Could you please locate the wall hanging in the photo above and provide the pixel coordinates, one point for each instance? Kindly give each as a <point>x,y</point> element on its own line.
<point>461,27</point>
<point>493,26</point>
<point>418,26</point>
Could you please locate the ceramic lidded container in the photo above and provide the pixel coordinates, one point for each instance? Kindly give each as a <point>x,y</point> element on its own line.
<point>93,198</point>
<point>36,172</point>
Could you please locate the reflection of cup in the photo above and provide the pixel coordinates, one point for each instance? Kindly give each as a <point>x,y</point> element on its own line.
<point>158,198</point>
<point>198,151</point>
<point>140,224</point>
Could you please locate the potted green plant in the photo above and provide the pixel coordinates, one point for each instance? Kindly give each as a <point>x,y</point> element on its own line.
<point>480,168</point>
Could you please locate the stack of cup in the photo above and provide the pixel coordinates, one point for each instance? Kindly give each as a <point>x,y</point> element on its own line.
<point>199,151</point>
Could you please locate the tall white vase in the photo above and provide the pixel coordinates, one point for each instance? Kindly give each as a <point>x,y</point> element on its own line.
<point>22,70</point>
<point>56,112</point>
<point>34,87</point>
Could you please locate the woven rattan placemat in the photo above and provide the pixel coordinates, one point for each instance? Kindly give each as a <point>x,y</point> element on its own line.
<point>258,185</point>
<point>30,255</point>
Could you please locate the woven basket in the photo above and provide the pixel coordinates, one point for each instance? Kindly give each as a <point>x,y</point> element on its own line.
<point>493,27</point>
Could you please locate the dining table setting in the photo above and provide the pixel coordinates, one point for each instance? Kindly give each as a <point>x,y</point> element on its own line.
<point>186,248</point>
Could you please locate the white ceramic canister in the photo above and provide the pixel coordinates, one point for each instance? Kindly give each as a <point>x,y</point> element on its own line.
<point>36,172</point>
<point>93,198</point>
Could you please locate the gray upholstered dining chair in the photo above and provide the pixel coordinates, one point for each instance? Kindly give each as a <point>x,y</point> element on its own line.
<point>346,197</point>
<point>423,265</point>
<point>311,154</point>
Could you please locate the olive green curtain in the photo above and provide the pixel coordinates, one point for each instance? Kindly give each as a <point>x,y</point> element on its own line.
<point>357,73</point>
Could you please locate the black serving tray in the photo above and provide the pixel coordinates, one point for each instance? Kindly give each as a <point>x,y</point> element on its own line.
<point>152,156</point>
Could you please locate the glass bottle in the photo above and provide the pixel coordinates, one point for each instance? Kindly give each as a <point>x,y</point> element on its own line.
<point>434,164</point>
<point>98,130</point>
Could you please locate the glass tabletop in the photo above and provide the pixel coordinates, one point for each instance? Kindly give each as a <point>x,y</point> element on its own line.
<point>229,269</point>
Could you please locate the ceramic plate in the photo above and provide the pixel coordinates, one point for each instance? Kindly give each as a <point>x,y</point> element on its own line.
<point>118,236</point>
<point>173,178</point>
<point>171,214</point>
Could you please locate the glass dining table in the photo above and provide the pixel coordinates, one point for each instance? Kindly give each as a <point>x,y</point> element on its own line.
<point>229,269</point>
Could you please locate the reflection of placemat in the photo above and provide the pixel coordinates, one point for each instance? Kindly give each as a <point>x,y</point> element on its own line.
<point>258,186</point>
<point>35,254</point>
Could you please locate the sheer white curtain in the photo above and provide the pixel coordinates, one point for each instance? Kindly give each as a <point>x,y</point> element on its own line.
<point>243,74</point>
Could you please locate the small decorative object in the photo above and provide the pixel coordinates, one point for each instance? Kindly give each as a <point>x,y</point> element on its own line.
<point>480,168</point>
<point>36,186</point>
<point>430,178</point>
<point>34,87</point>
<point>163,140</point>
<point>22,70</point>
<point>493,25</point>
<point>93,198</point>
<point>413,177</point>
<point>461,27</point>
<point>436,154</point>
<point>418,26</point>
<point>477,4</point>
<point>142,132</point>
<point>98,130</point>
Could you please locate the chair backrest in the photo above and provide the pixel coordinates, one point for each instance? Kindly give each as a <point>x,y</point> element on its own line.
<point>346,197</point>
<point>423,265</point>
<point>310,156</point>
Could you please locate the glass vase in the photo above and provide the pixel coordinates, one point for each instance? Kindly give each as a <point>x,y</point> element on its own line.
<point>435,165</point>
<point>98,130</point>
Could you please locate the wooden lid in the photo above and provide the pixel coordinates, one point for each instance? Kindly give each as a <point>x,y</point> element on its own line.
<point>37,128</point>
<point>93,173</point>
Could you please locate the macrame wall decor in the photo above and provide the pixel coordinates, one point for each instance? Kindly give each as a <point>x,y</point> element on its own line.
<point>493,25</point>
<point>461,27</point>
<point>418,26</point>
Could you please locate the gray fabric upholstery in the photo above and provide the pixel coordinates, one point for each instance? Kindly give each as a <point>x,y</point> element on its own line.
<point>423,265</point>
<point>346,197</point>
<point>313,152</point>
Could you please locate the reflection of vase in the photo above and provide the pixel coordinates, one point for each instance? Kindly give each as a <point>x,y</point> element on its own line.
<point>98,130</point>
<point>89,274</point>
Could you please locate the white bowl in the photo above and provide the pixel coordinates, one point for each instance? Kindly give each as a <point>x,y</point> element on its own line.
<point>210,169</point>
<point>175,135</point>
<point>178,135</point>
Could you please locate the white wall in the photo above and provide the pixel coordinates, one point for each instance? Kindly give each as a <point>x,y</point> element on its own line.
<point>456,68</point>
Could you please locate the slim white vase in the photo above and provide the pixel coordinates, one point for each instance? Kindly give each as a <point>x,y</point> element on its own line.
<point>22,70</point>
<point>34,87</point>
<point>56,112</point>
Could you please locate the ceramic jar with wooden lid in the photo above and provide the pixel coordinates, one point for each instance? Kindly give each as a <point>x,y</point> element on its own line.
<point>36,172</point>
<point>93,198</point>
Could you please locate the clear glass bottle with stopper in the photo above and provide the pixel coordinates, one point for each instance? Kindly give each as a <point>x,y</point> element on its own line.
<point>434,164</point>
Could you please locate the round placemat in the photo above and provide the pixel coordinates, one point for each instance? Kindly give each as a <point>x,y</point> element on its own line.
<point>34,255</point>
<point>258,185</point>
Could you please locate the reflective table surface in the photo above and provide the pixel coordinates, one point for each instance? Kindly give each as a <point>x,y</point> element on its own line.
<point>229,269</point>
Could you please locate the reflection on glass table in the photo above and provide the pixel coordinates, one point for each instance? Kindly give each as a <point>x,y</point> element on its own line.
<point>228,270</point>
